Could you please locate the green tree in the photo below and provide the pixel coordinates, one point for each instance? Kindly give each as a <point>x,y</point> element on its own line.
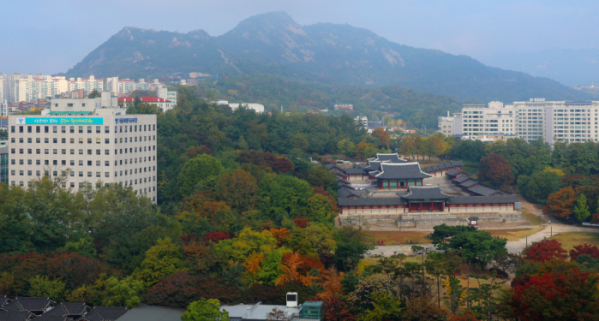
<point>477,246</point>
<point>248,242</point>
<point>385,306</point>
<point>205,310</point>
<point>84,246</point>
<point>94,94</point>
<point>581,210</point>
<point>320,210</point>
<point>539,186</point>
<point>314,240</point>
<point>41,286</point>
<point>125,292</point>
<point>162,259</point>
<point>197,169</point>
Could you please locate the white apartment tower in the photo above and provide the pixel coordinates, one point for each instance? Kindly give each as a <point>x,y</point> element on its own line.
<point>552,121</point>
<point>89,140</point>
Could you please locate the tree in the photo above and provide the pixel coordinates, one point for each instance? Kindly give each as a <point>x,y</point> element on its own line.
<point>197,169</point>
<point>589,249</point>
<point>125,292</point>
<point>41,286</point>
<point>276,315</point>
<point>314,240</point>
<point>421,309</point>
<point>205,310</point>
<point>291,267</point>
<point>561,202</point>
<point>85,246</point>
<point>383,137</point>
<point>238,190</point>
<point>385,307</point>
<point>495,170</point>
<point>94,94</point>
<point>567,295</point>
<point>477,246</point>
<point>162,259</point>
<point>352,245</point>
<point>544,251</point>
<point>539,186</point>
<point>320,210</point>
<point>581,210</point>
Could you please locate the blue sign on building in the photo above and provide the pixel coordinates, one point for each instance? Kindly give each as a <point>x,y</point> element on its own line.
<point>60,121</point>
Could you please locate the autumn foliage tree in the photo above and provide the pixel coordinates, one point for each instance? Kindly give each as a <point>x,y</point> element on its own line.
<point>561,203</point>
<point>238,189</point>
<point>495,171</point>
<point>588,249</point>
<point>544,251</point>
<point>568,295</point>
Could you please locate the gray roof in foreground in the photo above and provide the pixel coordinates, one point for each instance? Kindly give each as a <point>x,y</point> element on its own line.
<point>152,313</point>
<point>257,311</point>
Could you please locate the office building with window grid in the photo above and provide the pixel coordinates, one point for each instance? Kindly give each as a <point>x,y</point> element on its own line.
<point>86,141</point>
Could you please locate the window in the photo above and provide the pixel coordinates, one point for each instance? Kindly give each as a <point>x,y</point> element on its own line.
<point>98,141</point>
<point>55,129</point>
<point>89,163</point>
<point>89,152</point>
<point>107,151</point>
<point>64,151</point>
<point>81,152</point>
<point>106,163</point>
<point>98,174</point>
<point>98,152</point>
<point>98,129</point>
<point>107,129</point>
<point>72,129</point>
<point>89,129</point>
<point>72,185</point>
<point>106,174</point>
<point>29,151</point>
<point>46,140</point>
<point>72,162</point>
<point>55,140</point>
<point>80,129</point>
<point>106,141</point>
<point>64,140</point>
<point>63,129</point>
<point>46,151</point>
<point>89,140</point>
<point>12,130</point>
<point>89,174</point>
<point>72,152</point>
<point>55,151</point>
<point>80,174</point>
<point>80,140</point>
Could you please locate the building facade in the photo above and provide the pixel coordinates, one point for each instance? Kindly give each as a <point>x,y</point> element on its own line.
<point>87,142</point>
<point>552,121</point>
<point>3,162</point>
<point>164,104</point>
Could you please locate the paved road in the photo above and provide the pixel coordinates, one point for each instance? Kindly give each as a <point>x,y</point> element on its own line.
<point>512,246</point>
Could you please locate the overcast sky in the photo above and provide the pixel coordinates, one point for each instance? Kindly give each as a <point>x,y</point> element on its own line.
<point>52,36</point>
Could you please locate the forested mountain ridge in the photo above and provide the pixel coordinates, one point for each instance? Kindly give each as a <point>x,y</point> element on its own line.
<point>327,53</point>
<point>412,107</point>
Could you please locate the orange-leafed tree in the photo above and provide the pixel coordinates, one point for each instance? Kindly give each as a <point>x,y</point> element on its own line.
<point>561,203</point>
<point>292,267</point>
<point>280,234</point>
<point>252,263</point>
<point>382,135</point>
<point>588,249</point>
<point>544,251</point>
<point>495,171</point>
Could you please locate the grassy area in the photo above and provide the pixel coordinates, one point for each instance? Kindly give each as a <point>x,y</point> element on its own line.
<point>571,239</point>
<point>393,238</point>
<point>514,235</point>
<point>533,219</point>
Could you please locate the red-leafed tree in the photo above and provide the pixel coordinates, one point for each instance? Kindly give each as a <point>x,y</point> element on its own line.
<point>495,171</point>
<point>182,288</point>
<point>569,295</point>
<point>195,151</point>
<point>585,248</point>
<point>561,203</point>
<point>544,251</point>
<point>301,222</point>
<point>282,165</point>
<point>216,237</point>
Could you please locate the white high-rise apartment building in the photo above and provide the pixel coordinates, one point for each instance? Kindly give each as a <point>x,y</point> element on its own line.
<point>552,121</point>
<point>88,140</point>
<point>87,84</point>
<point>126,86</point>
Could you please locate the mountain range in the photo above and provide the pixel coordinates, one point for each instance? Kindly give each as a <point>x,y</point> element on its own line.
<point>573,67</point>
<point>332,54</point>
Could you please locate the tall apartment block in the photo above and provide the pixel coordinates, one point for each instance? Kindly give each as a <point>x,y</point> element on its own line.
<point>552,121</point>
<point>89,141</point>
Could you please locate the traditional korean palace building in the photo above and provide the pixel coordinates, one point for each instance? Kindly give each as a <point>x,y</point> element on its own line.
<point>399,190</point>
